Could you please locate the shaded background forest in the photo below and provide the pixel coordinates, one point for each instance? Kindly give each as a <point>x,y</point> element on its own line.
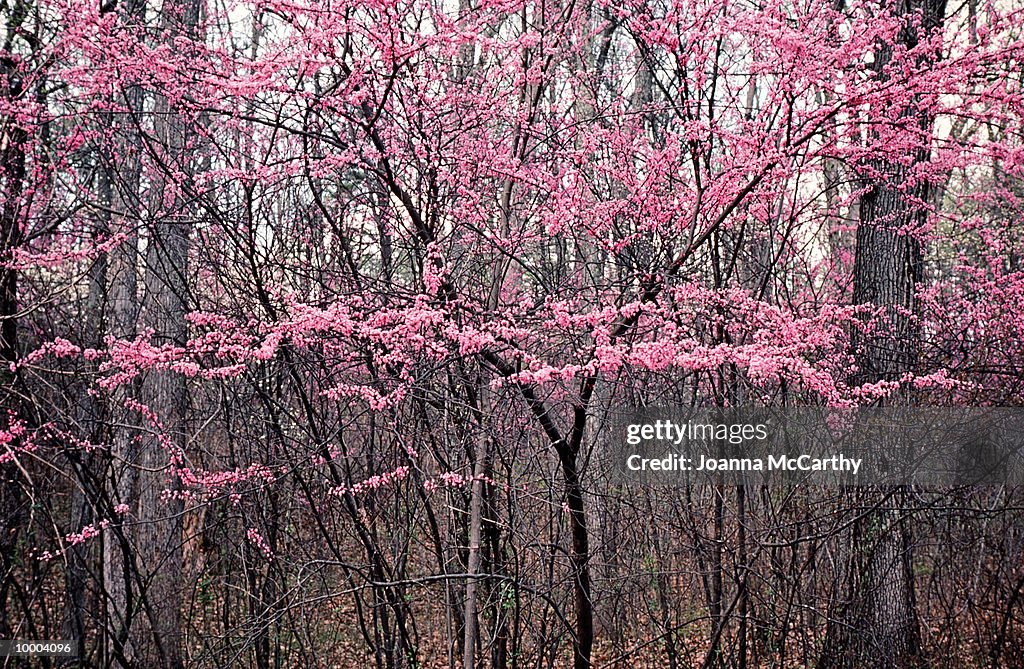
<point>315,317</point>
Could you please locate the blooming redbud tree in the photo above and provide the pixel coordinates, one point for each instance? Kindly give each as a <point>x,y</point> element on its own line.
<point>315,316</point>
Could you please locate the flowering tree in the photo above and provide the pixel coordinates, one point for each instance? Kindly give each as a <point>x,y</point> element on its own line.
<point>316,310</point>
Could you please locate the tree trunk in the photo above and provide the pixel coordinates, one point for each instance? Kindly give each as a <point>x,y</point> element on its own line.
<point>877,623</point>
<point>84,559</point>
<point>12,180</point>
<point>13,138</point>
<point>143,563</point>
<point>476,505</point>
<point>579,559</point>
<point>120,182</point>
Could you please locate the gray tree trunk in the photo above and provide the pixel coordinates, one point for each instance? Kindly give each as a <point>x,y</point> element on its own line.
<point>876,624</point>
<point>119,191</point>
<point>143,561</point>
<point>159,533</point>
<point>475,540</point>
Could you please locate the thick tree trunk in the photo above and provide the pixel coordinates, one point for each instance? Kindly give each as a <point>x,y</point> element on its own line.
<point>159,535</point>
<point>887,270</point>
<point>877,623</point>
<point>143,560</point>
<point>159,532</point>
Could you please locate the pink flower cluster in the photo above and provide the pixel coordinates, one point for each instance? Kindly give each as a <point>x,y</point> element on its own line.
<point>212,483</point>
<point>256,539</point>
<point>83,535</point>
<point>374,482</point>
<point>453,480</point>
<point>15,439</point>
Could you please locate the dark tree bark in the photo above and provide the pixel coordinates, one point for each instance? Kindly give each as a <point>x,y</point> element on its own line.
<point>13,138</point>
<point>877,622</point>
